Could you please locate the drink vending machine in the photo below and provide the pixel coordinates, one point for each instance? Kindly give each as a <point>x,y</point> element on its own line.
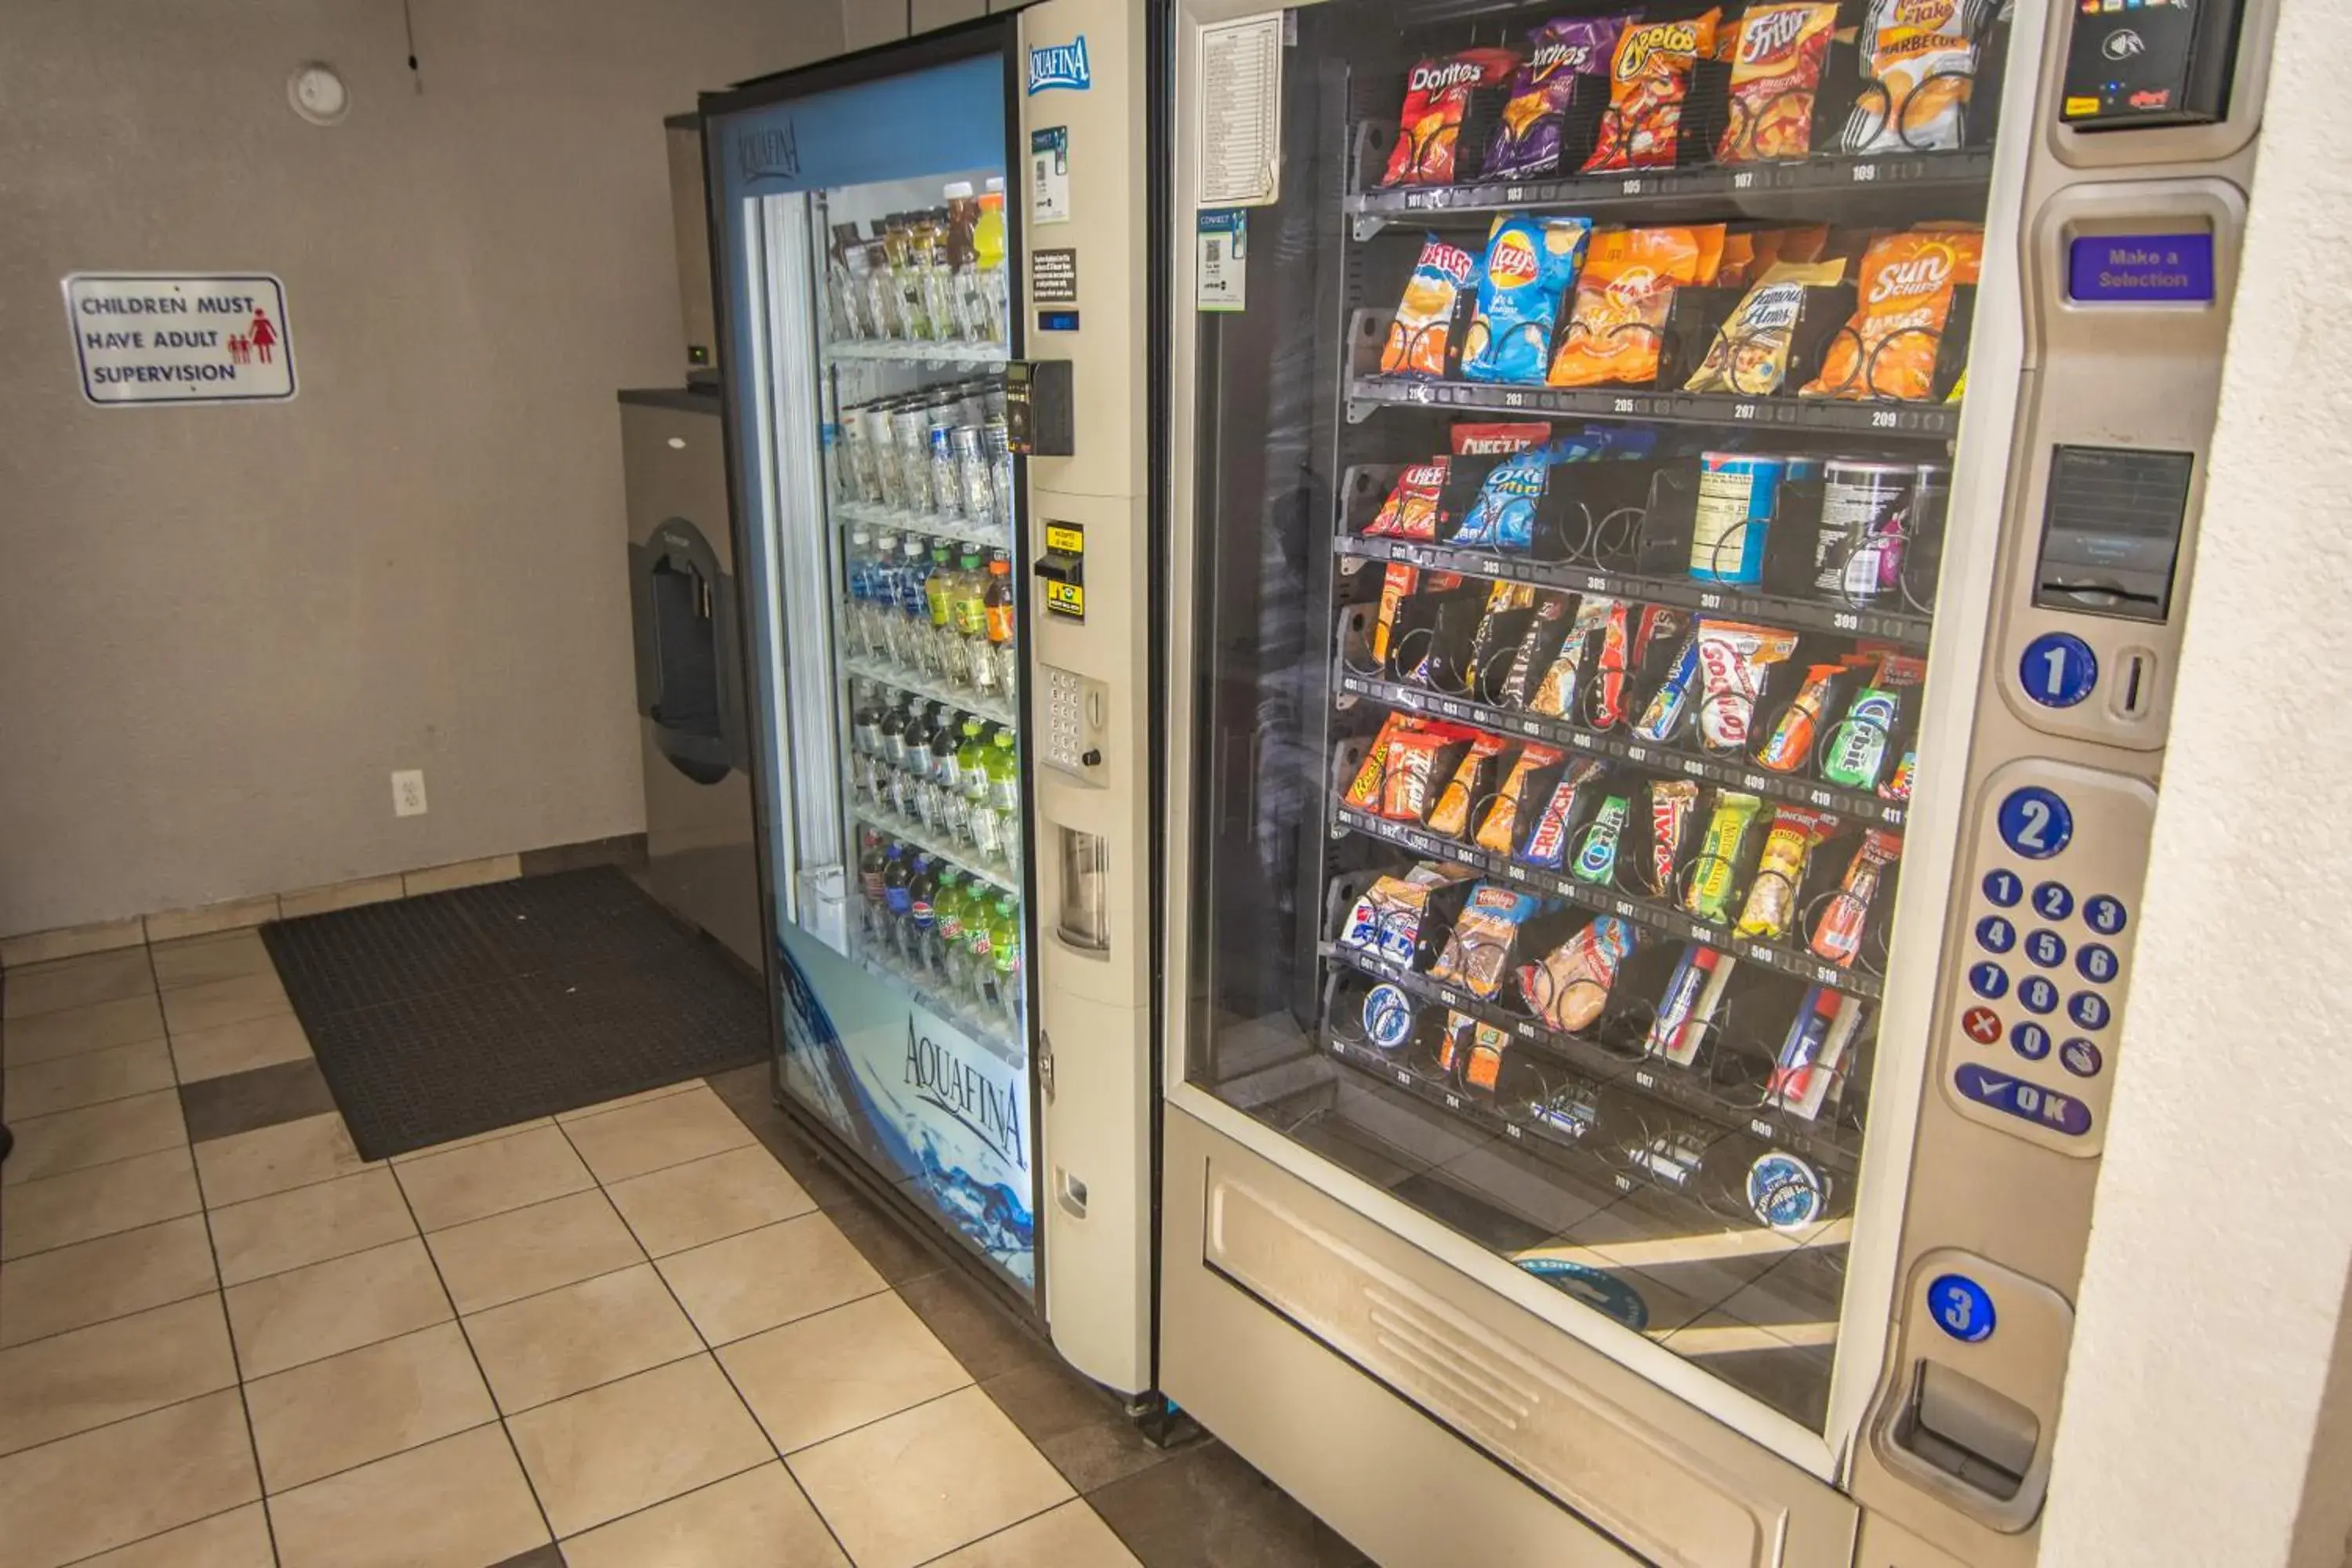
<point>929,268</point>
<point>1679,520</point>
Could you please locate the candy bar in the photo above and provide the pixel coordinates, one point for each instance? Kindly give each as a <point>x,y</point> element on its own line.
<point>1397,584</point>
<point>1537,644</point>
<point>1594,614</point>
<point>1726,830</point>
<point>1837,937</point>
<point>1499,632</point>
<point>1596,858</point>
<point>1547,844</point>
<point>1663,715</point>
<point>1500,831</point>
<point>1772,896</point>
<point>1365,792</point>
<point>1571,986</point>
<point>1671,801</point>
<point>1792,741</point>
<point>1732,657</point>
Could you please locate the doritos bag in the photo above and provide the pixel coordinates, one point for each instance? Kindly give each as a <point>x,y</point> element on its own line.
<point>1436,97</point>
<point>1774,74</point>
<point>1530,263</point>
<point>1649,79</point>
<point>1751,351</point>
<point>1561,53</point>
<point>1424,318</point>
<point>1921,57</point>
<point>1888,347</point>
<point>1623,299</point>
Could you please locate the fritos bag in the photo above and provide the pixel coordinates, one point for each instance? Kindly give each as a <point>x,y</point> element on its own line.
<point>1529,264</point>
<point>1775,72</point>
<point>1623,299</point>
<point>1751,353</point>
<point>1649,79</point>
<point>1888,347</point>
<point>1424,318</point>
<point>1560,54</point>
<point>1436,97</point>
<point>1923,56</point>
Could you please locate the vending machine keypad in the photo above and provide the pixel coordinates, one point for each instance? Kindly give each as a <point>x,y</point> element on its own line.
<point>2060,850</point>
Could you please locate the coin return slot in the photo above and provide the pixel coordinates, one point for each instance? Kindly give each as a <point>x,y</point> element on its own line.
<point>1980,1439</point>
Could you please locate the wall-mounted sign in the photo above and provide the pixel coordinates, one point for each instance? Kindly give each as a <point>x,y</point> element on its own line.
<point>180,337</point>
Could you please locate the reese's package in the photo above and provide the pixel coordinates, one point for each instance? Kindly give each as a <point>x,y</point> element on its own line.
<point>1530,263</point>
<point>1751,351</point>
<point>1424,318</point>
<point>1649,77</point>
<point>1921,59</point>
<point>1437,95</point>
<point>1623,297</point>
<point>1560,54</point>
<point>1776,69</point>
<point>1889,349</point>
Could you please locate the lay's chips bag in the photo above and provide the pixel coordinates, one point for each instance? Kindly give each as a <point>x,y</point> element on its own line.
<point>1529,264</point>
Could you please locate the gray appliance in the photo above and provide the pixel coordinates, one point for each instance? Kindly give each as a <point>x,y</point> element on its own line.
<point>699,838</point>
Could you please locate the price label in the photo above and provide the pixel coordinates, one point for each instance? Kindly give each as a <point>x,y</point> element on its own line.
<point>1633,187</point>
<point>1404,1077</point>
<point>1512,1129</point>
<point>1743,181</point>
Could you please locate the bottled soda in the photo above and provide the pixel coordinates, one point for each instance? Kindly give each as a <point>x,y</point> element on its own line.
<point>897,902</point>
<point>919,793</point>
<point>870,861</point>
<point>947,906</point>
<point>947,777</point>
<point>938,583</point>
<point>1005,952</point>
<point>987,825</point>
<point>968,610</point>
<point>971,778</point>
<point>922,914</point>
<point>912,628</point>
<point>1004,781</point>
<point>892,734</point>
<point>997,605</point>
<point>980,950</point>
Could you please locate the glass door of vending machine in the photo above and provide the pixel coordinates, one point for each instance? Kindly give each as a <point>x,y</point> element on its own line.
<point>1644,743</point>
<point>860,215</point>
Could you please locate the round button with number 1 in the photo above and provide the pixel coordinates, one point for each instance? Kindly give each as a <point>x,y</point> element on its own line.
<point>2058,669</point>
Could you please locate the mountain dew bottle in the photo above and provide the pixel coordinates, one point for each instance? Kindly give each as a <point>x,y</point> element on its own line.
<point>1004,954</point>
<point>946,927</point>
<point>980,950</point>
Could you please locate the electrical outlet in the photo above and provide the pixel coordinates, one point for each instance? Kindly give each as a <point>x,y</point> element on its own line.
<point>408,793</point>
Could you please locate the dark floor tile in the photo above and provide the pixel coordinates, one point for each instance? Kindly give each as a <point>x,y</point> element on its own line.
<point>626,851</point>
<point>1080,1427</point>
<point>263,1097</point>
<point>1204,1507</point>
<point>884,1241</point>
<point>547,1556</point>
<point>983,1335</point>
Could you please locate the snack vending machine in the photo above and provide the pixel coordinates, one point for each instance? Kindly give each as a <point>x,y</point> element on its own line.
<point>1679,518</point>
<point>949,779</point>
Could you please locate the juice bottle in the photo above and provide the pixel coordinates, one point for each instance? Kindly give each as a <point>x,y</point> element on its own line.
<point>988,260</point>
<point>968,611</point>
<point>998,604</point>
<point>939,589</point>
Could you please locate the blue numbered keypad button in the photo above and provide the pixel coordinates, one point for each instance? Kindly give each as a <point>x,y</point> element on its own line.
<point>2082,1058</point>
<point>1995,934</point>
<point>1989,981</point>
<point>2053,901</point>
<point>2058,670</point>
<point>2089,1009</point>
<point>2036,994</point>
<point>2035,822</point>
<point>2098,963</point>
<point>2030,1040</point>
<point>2002,889</point>
<point>2105,915</point>
<point>2046,948</point>
<point>1961,1308</point>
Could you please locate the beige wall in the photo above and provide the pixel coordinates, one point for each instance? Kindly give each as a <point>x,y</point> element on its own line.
<point>222,629</point>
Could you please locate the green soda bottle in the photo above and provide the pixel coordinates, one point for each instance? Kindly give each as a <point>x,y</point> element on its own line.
<point>1005,952</point>
<point>971,778</point>
<point>948,916</point>
<point>980,948</point>
<point>1004,768</point>
<point>968,610</point>
<point>939,592</point>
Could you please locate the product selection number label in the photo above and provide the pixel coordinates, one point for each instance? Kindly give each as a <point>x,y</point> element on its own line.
<point>1961,1308</point>
<point>2058,669</point>
<point>2035,823</point>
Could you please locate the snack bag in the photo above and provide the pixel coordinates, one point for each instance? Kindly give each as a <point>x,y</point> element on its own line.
<point>1364,791</point>
<point>1504,515</point>
<point>1559,53</point>
<point>1409,788</point>
<point>1499,440</point>
<point>1436,97</point>
<point>1411,510</point>
<point>1732,657</point>
<point>1571,986</point>
<point>1497,634</point>
<point>1775,72</point>
<point>1536,646</point>
<point>1888,347</point>
<point>1556,695</point>
<point>1397,582</point>
<point>1772,896</point>
<point>1623,299</point>
<point>1529,264</point>
<point>1649,79</point>
<point>1751,353</point>
<point>1386,921</point>
<point>1922,56</point>
<point>1479,950</point>
<point>1500,831</point>
<point>1547,844</point>
<point>1424,318</point>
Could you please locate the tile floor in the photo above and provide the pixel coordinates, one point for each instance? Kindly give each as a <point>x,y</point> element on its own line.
<point>659,1332</point>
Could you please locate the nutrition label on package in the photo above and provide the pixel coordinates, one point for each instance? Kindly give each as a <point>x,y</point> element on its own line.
<point>1241,111</point>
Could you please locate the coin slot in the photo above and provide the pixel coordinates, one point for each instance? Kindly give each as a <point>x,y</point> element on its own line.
<point>2136,691</point>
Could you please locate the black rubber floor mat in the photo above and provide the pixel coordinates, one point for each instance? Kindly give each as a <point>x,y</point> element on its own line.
<point>442,1016</point>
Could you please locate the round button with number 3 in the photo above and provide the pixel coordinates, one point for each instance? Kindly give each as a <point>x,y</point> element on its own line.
<point>1961,1308</point>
